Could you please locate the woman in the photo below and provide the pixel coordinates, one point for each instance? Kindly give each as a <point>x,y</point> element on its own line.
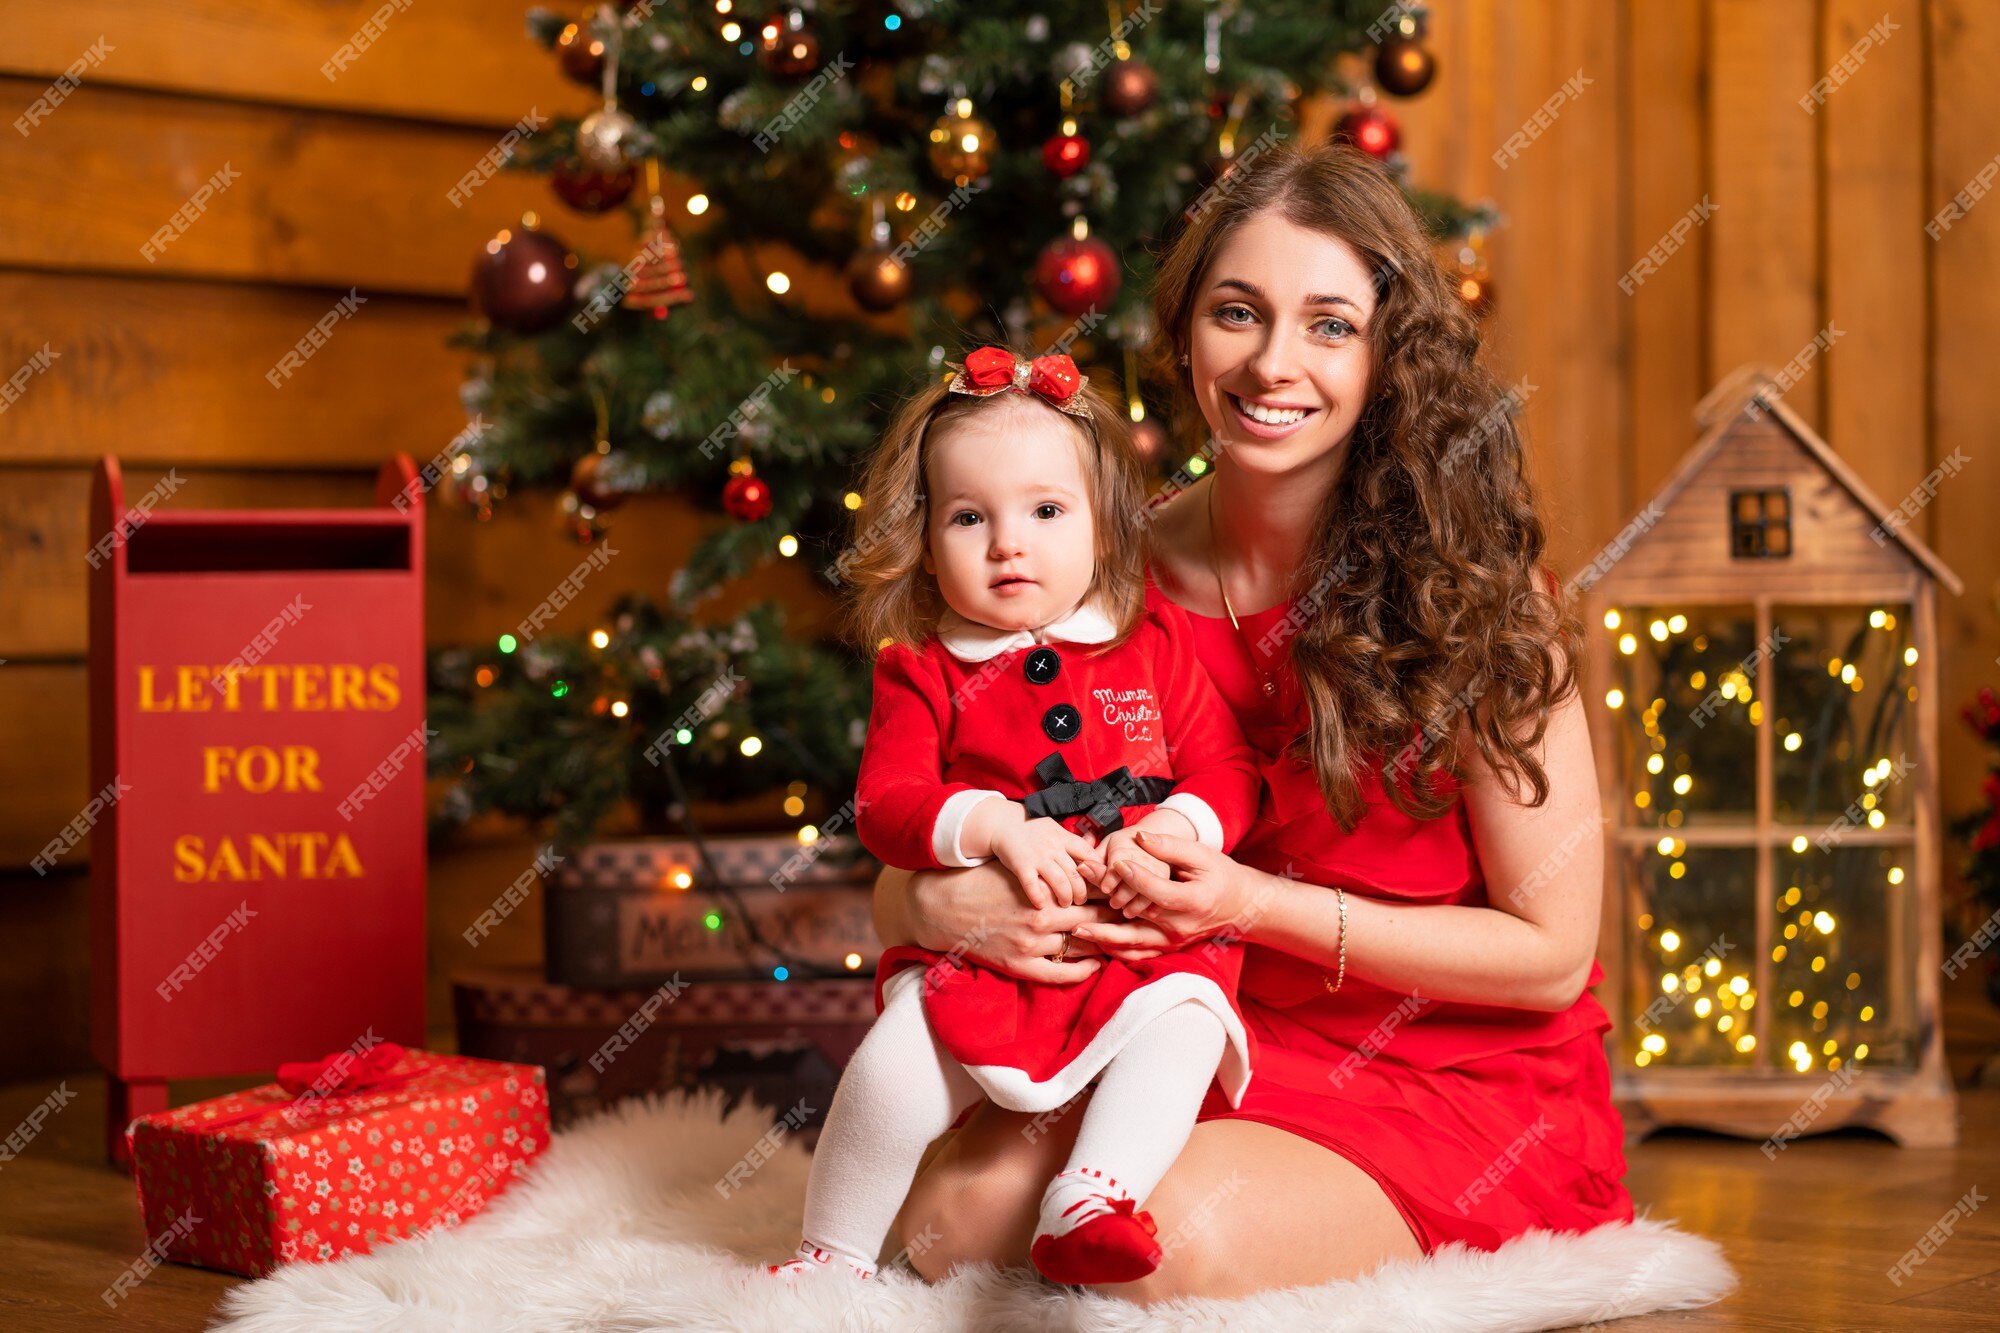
<point>1419,896</point>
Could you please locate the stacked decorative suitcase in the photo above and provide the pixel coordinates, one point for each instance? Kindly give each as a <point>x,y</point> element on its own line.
<point>664,971</point>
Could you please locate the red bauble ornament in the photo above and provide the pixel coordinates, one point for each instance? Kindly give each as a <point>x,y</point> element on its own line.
<point>1074,275</point>
<point>1066,154</point>
<point>747,496</point>
<point>1370,129</point>
<point>522,281</point>
<point>590,190</point>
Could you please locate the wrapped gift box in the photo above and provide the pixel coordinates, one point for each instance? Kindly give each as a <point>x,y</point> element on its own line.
<point>311,1169</point>
<point>635,912</point>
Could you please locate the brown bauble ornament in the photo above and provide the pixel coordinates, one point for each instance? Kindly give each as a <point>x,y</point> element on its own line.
<point>1073,275</point>
<point>747,496</point>
<point>590,189</point>
<point>1370,129</point>
<point>1403,67</point>
<point>522,281</point>
<point>580,52</point>
<point>879,278</point>
<point>1130,87</point>
<point>599,481</point>
<point>961,148</point>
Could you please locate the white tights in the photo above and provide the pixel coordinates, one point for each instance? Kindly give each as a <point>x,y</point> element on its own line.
<point>901,1090</point>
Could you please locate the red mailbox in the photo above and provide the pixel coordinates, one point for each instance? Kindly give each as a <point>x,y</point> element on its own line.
<point>257,751</point>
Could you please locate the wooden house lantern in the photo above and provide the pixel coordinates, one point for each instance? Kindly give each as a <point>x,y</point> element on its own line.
<point>1762,688</point>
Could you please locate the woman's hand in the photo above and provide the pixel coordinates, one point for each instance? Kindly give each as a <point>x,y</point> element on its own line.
<point>1206,896</point>
<point>981,913</point>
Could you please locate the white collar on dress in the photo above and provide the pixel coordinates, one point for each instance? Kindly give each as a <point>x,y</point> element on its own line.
<point>970,641</point>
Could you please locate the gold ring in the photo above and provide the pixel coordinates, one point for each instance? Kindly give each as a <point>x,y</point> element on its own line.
<point>1062,952</point>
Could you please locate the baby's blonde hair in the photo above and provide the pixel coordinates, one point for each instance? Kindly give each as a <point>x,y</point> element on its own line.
<point>891,599</point>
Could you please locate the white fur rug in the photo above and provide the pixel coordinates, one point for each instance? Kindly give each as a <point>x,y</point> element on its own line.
<point>619,1228</point>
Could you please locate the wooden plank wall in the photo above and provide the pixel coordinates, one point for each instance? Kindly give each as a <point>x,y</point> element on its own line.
<point>338,185</point>
<point>1817,224</point>
<point>1816,229</point>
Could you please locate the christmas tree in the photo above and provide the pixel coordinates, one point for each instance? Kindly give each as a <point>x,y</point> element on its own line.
<point>945,175</point>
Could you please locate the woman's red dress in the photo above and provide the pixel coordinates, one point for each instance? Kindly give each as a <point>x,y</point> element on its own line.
<point>1479,1122</point>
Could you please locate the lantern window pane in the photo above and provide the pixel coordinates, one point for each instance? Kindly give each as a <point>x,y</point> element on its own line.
<point>1846,976</point>
<point>1842,708</point>
<point>1701,935</point>
<point>1686,714</point>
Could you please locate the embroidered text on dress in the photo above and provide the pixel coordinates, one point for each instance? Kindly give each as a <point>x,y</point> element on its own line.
<point>1135,710</point>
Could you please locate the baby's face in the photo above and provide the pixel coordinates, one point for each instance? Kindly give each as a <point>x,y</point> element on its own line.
<point>1011,534</point>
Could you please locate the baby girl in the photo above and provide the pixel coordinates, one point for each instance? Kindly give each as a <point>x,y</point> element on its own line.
<point>1029,708</point>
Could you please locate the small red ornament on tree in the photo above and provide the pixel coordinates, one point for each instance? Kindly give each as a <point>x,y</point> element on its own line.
<point>746,495</point>
<point>1370,129</point>
<point>1075,273</point>
<point>1066,152</point>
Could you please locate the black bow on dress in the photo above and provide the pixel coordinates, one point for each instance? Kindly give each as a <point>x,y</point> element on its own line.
<point>1100,801</point>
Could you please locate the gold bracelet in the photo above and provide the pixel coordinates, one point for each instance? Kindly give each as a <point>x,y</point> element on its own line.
<point>1340,896</point>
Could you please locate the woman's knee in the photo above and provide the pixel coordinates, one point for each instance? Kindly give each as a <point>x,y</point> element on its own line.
<point>976,1199</point>
<point>942,1221</point>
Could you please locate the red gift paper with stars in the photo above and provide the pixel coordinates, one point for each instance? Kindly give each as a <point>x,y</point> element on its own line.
<point>360,1149</point>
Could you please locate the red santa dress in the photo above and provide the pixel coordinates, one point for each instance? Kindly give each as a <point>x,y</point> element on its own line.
<point>1439,1101</point>
<point>1094,736</point>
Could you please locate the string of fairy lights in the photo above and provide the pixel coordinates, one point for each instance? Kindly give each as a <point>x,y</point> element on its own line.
<point>1694,755</point>
<point>683,878</point>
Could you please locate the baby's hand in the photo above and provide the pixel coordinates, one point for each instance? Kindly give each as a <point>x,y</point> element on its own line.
<point>1042,854</point>
<point>1123,845</point>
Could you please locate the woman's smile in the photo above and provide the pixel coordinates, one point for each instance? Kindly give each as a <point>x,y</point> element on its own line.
<point>1266,421</point>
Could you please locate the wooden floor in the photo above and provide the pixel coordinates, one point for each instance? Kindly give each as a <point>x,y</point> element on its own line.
<point>1813,1233</point>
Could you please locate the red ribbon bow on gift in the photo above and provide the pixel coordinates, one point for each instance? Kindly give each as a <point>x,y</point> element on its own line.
<point>343,1071</point>
<point>1053,378</point>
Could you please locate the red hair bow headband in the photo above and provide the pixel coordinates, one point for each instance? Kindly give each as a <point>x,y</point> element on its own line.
<point>1055,378</point>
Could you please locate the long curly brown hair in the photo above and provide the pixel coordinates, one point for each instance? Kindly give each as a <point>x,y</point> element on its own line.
<point>1429,627</point>
<point>890,599</point>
